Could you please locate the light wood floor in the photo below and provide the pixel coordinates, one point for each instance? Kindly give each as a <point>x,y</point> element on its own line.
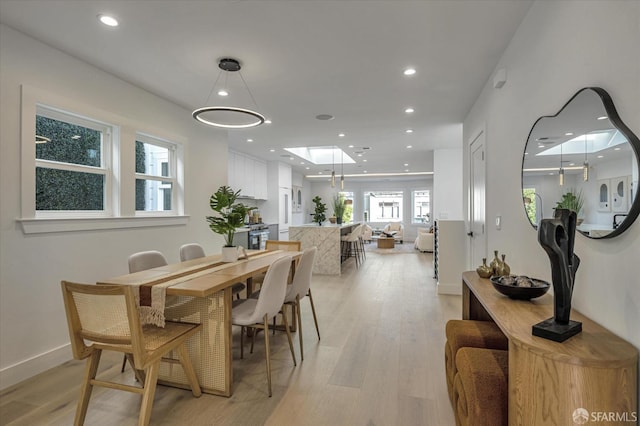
<point>380,362</point>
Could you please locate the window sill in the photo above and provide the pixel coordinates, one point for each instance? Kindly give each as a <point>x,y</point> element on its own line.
<point>42,226</point>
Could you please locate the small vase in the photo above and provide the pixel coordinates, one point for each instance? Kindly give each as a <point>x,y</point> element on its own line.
<point>484,270</point>
<point>506,269</point>
<point>495,263</point>
<point>339,220</point>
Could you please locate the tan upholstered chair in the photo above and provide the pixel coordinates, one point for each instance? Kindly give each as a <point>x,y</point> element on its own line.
<point>102,317</point>
<point>367,233</point>
<point>256,313</point>
<point>195,251</point>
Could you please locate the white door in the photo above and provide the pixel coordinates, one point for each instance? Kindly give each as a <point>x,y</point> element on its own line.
<point>478,245</point>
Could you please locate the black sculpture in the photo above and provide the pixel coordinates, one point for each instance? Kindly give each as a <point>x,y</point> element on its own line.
<point>557,236</point>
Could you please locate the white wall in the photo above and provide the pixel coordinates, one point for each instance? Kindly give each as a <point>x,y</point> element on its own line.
<point>33,330</point>
<point>559,48</point>
<point>447,178</point>
<point>359,186</point>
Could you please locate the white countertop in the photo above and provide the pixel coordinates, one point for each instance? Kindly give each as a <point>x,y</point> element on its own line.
<point>325,225</point>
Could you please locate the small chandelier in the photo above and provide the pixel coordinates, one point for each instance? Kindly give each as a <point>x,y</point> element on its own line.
<point>342,171</point>
<point>333,168</point>
<point>228,117</point>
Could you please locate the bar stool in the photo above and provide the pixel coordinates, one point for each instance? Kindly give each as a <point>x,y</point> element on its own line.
<point>352,245</point>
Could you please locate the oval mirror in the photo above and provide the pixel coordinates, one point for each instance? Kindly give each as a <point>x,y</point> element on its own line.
<point>586,159</point>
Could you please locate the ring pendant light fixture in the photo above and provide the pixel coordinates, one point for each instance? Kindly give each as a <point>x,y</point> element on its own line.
<point>229,117</point>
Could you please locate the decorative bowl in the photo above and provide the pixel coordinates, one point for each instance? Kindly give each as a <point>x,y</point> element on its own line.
<point>520,287</point>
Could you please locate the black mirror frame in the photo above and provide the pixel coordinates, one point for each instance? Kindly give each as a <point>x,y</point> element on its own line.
<point>615,119</point>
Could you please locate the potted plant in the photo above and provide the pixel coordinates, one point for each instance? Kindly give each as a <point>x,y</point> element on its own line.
<point>572,201</point>
<point>339,207</point>
<point>318,215</point>
<point>230,217</point>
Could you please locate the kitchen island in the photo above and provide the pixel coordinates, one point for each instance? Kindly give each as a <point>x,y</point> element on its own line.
<point>327,239</point>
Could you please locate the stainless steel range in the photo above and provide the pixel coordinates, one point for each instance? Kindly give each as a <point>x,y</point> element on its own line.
<point>258,236</point>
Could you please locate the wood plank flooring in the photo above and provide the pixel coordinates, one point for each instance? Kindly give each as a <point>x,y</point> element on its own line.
<point>380,362</point>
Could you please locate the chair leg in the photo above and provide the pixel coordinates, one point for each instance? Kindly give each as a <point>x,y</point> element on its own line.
<point>266,351</point>
<point>286,328</point>
<point>149,392</point>
<point>297,308</point>
<point>124,362</point>
<point>189,371</point>
<point>90,371</point>
<point>241,342</point>
<point>313,310</point>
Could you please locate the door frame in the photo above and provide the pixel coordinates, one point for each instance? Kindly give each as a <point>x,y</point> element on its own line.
<point>477,141</point>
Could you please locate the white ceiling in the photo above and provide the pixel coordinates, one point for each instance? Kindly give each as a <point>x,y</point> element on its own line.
<point>300,59</point>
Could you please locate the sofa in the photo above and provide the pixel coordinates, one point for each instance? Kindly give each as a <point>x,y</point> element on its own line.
<point>396,227</point>
<point>424,240</point>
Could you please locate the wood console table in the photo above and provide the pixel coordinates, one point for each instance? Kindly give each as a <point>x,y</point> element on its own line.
<point>595,370</point>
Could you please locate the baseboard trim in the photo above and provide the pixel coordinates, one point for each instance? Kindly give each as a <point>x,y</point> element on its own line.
<point>23,370</point>
<point>450,288</point>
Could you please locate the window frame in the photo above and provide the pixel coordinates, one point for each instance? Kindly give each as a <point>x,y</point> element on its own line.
<point>105,169</point>
<point>413,206</point>
<point>122,208</point>
<point>173,151</point>
<point>400,206</point>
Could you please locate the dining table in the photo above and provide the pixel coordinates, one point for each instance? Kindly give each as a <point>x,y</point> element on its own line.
<point>199,291</point>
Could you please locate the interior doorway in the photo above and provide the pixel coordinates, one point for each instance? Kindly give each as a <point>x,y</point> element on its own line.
<point>477,184</point>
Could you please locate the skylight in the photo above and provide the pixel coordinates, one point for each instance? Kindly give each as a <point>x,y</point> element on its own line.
<point>596,142</point>
<point>322,154</point>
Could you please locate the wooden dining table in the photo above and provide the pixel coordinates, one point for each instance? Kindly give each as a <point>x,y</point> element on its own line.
<point>199,291</point>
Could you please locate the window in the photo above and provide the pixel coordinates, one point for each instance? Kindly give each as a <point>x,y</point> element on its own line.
<point>72,176</point>
<point>531,205</point>
<point>421,206</point>
<point>155,174</point>
<point>72,162</point>
<point>383,206</point>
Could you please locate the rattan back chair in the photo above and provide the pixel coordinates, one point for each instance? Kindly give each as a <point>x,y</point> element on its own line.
<point>106,317</point>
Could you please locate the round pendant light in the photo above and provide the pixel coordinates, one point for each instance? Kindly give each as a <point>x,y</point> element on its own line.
<point>229,117</point>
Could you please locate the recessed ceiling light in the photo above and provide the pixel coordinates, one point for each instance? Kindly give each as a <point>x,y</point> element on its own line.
<point>406,170</point>
<point>267,121</point>
<point>409,110</point>
<point>568,134</point>
<point>302,162</point>
<point>409,131</point>
<point>364,161</point>
<point>307,168</point>
<point>406,164</point>
<point>109,21</point>
<point>616,148</point>
<point>600,156</point>
<point>291,158</point>
<point>359,155</point>
<point>272,150</point>
<point>364,171</point>
<point>319,173</point>
<point>409,71</point>
<point>604,117</point>
<point>249,140</point>
<point>572,164</point>
<point>223,93</point>
<point>526,153</point>
<point>409,146</point>
<point>341,135</point>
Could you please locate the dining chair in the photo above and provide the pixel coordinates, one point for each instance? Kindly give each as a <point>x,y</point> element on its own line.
<point>106,317</point>
<point>285,245</point>
<point>142,261</point>
<point>195,251</point>
<point>300,288</point>
<point>256,313</point>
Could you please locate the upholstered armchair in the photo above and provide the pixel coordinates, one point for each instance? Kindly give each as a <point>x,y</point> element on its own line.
<point>396,227</point>
<point>424,241</point>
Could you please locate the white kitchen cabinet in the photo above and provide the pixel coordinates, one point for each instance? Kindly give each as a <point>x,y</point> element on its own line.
<point>248,175</point>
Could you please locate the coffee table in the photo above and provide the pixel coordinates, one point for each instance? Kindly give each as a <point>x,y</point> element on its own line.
<point>386,242</point>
